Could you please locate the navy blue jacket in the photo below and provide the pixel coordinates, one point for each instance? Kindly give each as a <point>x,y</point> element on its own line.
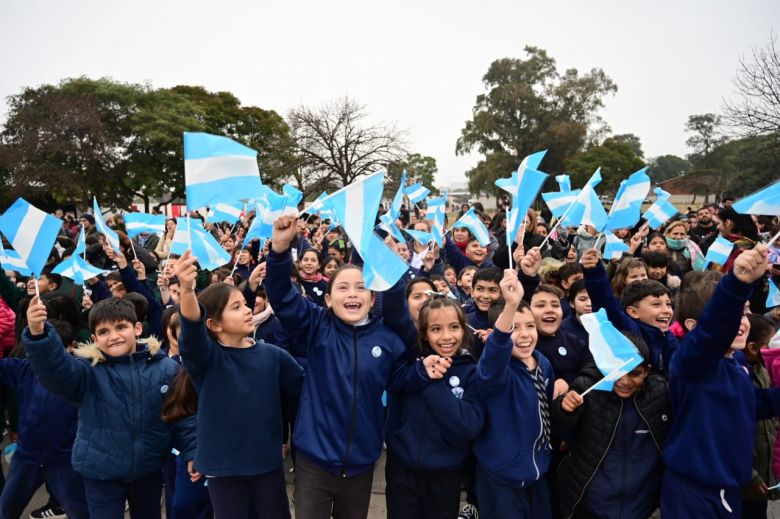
<point>714,401</point>
<point>315,290</point>
<point>47,423</point>
<point>573,326</point>
<point>121,435</point>
<point>662,345</point>
<point>240,397</point>
<point>479,320</point>
<point>567,354</point>
<point>155,310</point>
<point>510,448</point>
<point>340,418</point>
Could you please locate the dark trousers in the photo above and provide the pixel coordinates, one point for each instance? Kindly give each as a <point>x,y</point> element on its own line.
<point>683,497</point>
<point>233,496</point>
<point>190,500</point>
<point>414,494</point>
<point>320,494</point>
<point>106,498</point>
<point>498,501</point>
<point>25,479</point>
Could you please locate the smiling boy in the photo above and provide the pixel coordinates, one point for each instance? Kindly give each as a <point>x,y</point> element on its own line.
<point>484,293</point>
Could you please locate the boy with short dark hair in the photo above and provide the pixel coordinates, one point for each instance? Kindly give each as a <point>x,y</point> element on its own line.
<point>645,309</point>
<point>485,290</point>
<point>709,451</point>
<point>118,386</point>
<point>579,300</point>
<point>568,274</point>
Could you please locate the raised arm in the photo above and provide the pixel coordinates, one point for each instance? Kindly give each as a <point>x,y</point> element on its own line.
<point>10,292</point>
<point>600,292</point>
<point>454,255</point>
<point>194,344</point>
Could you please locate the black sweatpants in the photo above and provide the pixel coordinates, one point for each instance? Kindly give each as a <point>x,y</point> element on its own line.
<point>320,494</point>
<point>414,494</point>
<point>232,497</point>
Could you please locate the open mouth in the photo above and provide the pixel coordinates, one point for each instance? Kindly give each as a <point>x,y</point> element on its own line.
<point>447,347</point>
<point>352,307</point>
<point>523,345</point>
<point>663,321</point>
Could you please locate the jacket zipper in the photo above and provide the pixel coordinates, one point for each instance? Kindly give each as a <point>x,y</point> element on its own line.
<point>354,404</point>
<point>655,441</point>
<point>611,439</point>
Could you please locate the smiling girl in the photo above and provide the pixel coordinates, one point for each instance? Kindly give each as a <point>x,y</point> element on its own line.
<point>312,282</point>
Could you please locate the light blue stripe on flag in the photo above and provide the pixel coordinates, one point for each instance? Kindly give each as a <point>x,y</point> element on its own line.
<point>719,251</point>
<point>31,232</point>
<point>136,223</point>
<point>773,298</point>
<point>198,145</point>
<point>614,353</point>
<point>111,236</point>
<point>766,201</point>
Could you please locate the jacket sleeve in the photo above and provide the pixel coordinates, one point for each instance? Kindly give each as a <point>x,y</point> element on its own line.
<point>249,296</point>
<point>601,296</point>
<point>297,315</point>
<point>408,377</point>
<point>460,417</point>
<point>290,377</point>
<point>100,291</point>
<point>10,292</point>
<point>185,437</point>
<point>195,346</point>
<point>493,366</point>
<point>7,320</point>
<point>395,315</point>
<point>529,284</point>
<point>704,346</point>
<point>454,256</point>
<point>57,371</point>
<point>10,370</point>
<point>155,309</point>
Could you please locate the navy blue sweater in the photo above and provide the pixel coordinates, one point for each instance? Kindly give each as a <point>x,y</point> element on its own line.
<point>573,326</point>
<point>341,417</point>
<point>510,447</point>
<point>567,354</point>
<point>240,396</point>
<point>47,423</point>
<point>713,399</point>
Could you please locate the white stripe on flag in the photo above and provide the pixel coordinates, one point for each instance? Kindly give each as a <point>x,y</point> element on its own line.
<point>213,169</point>
<point>354,227</point>
<point>24,241</point>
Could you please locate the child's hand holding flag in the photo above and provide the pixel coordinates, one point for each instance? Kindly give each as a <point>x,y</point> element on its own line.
<point>36,316</point>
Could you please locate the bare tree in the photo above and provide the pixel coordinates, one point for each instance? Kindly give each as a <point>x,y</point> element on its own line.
<point>336,144</point>
<point>758,85</point>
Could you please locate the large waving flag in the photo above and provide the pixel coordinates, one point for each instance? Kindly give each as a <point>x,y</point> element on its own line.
<point>10,260</point>
<point>136,223</point>
<point>436,212</point>
<point>587,208</point>
<point>77,269</point>
<point>218,169</point>
<point>210,254</point>
<point>763,202</point>
<point>31,232</point>
<point>474,224</point>
<point>614,353</point>
<point>627,207</point>
<point>111,237</point>
<point>661,211</point>
<point>355,208</point>
<point>564,182</point>
<point>559,201</point>
<point>524,185</point>
<point>719,251</point>
<point>614,246</point>
<point>229,212</point>
<point>416,193</point>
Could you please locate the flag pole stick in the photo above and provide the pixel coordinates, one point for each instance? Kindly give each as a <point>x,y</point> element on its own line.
<point>509,245</point>
<point>37,290</point>
<point>598,238</point>
<point>557,224</point>
<point>611,375</point>
<point>773,239</point>
<point>132,246</point>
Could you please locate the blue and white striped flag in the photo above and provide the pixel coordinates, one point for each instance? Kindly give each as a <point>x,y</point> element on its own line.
<point>229,212</point>
<point>719,251</point>
<point>355,207</point>
<point>81,243</point>
<point>773,297</point>
<point>10,260</point>
<point>524,185</point>
<point>77,269</point>
<point>559,201</point>
<point>136,223</point>
<point>31,232</point>
<point>435,213</point>
<point>387,224</point>
<point>218,169</point>
<point>627,207</point>
<point>416,193</point>
<point>587,208</point>
<point>614,247</point>
<point>763,202</point>
<point>111,237</point>
<point>293,197</point>
<point>421,237</point>
<point>474,224</point>
<point>395,206</point>
<point>614,353</point>
<point>267,209</point>
<point>210,254</point>
<point>564,182</point>
<point>661,211</point>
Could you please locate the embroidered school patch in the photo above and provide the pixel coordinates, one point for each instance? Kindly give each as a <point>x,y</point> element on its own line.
<point>454,381</point>
<point>164,389</point>
<point>376,351</point>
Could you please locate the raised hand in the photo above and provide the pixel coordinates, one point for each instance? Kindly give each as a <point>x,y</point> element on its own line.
<point>752,264</point>
<point>285,229</point>
<point>511,289</point>
<point>531,262</point>
<point>571,401</point>
<point>436,366</point>
<point>36,316</point>
<point>186,271</point>
<point>590,258</point>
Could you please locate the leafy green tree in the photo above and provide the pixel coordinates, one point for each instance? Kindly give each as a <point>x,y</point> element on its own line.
<point>705,136</point>
<point>667,166</point>
<point>616,159</point>
<point>419,168</point>
<point>529,106</point>
<point>630,139</point>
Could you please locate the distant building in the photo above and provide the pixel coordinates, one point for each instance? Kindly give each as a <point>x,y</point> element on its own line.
<point>691,189</point>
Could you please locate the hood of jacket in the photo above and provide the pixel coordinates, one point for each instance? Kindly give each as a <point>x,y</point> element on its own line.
<point>90,351</point>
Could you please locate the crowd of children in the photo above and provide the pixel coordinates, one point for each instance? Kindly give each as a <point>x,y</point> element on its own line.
<point>160,378</point>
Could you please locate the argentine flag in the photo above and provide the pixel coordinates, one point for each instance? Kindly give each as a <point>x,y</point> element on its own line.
<point>293,197</point>
<point>719,251</point>
<point>10,260</point>
<point>395,207</point>
<point>587,208</point>
<point>416,193</point>
<point>31,232</point>
<point>387,224</point>
<point>210,254</point>
<point>763,202</point>
<point>614,246</point>
<point>229,212</point>
<point>111,237</point>
<point>472,222</point>
<point>435,213</point>
<point>559,201</point>
<point>614,353</point>
<point>660,212</point>
<point>564,182</point>
<point>627,207</point>
<point>81,243</point>
<point>136,223</point>
<point>77,269</point>
<point>524,185</point>
<point>421,237</point>
<point>773,298</point>
<point>218,169</point>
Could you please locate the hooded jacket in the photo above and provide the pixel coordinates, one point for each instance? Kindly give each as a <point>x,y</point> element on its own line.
<point>121,435</point>
<point>7,324</point>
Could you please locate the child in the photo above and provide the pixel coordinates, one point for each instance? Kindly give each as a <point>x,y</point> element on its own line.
<point>568,274</point>
<point>312,282</point>
<point>47,428</point>
<point>451,275</point>
<point>645,309</point>
<point>352,358</point>
<point>428,432</point>
<point>464,285</point>
<point>658,264</point>
<point>515,387</point>
<point>708,454</point>
<point>331,265</point>
<point>614,467</point>
<point>118,386</point>
<point>475,254</point>
<point>241,385</point>
<point>579,300</point>
<point>486,291</point>
<point>628,270</point>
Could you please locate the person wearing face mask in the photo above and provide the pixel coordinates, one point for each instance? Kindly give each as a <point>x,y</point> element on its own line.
<point>685,254</point>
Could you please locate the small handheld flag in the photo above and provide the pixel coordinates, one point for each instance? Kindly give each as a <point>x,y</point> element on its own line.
<point>225,212</point>
<point>614,247</point>
<point>614,353</point>
<point>111,236</point>
<point>661,211</point>
<point>472,222</point>
<point>524,185</point>
<point>10,260</point>
<point>719,251</point>
<point>559,201</point>
<point>77,269</point>
<point>417,192</point>
<point>136,223</point>
<point>564,182</point>
<point>31,232</point>
<point>626,208</point>
<point>763,202</point>
<point>210,254</point>
<point>773,298</point>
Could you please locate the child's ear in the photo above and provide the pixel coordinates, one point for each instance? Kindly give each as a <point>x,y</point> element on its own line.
<point>753,347</point>
<point>632,312</point>
<point>689,324</point>
<point>327,300</point>
<point>139,328</point>
<point>213,326</point>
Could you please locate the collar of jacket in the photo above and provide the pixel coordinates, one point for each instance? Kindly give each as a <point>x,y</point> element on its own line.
<point>143,350</point>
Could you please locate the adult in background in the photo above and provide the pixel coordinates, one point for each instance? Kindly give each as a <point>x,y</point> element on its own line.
<point>705,226</point>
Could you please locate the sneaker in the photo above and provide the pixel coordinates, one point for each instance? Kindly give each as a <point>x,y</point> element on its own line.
<point>49,512</point>
<point>469,512</point>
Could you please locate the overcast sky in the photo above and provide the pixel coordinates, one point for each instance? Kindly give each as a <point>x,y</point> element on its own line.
<point>417,64</point>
